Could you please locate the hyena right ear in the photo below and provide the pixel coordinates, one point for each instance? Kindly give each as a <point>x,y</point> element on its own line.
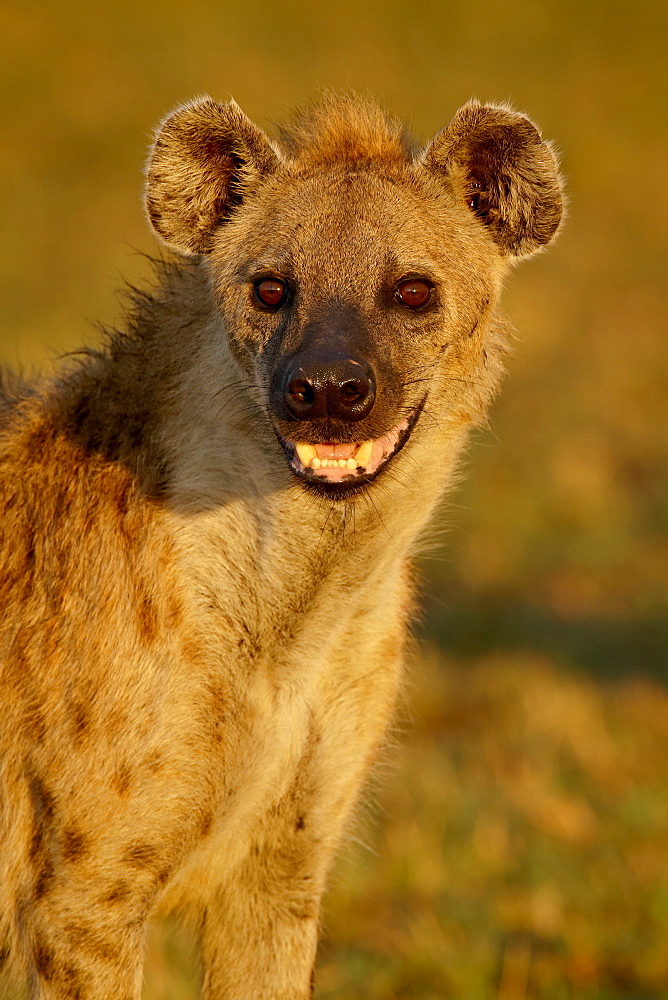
<point>206,156</point>
<point>504,172</point>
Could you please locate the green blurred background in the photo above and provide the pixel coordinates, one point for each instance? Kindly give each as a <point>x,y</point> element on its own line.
<point>520,842</point>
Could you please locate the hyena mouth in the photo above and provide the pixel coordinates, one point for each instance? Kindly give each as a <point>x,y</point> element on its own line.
<point>339,468</point>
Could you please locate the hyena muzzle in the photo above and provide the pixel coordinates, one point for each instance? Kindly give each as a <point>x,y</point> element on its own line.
<point>208,524</point>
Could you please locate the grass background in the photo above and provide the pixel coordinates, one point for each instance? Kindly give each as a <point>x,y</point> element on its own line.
<point>518,842</point>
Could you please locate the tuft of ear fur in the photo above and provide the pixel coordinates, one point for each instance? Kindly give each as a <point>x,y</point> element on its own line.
<point>205,157</point>
<point>505,173</point>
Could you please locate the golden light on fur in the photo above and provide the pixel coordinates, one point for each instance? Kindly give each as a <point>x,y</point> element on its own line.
<point>207,529</point>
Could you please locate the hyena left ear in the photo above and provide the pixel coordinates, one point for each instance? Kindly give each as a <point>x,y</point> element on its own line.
<point>504,172</point>
<point>205,158</point>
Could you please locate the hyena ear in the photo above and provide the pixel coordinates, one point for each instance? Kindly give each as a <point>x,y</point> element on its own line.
<point>205,158</point>
<point>504,172</point>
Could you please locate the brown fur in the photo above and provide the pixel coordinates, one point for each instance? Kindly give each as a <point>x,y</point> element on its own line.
<point>199,654</point>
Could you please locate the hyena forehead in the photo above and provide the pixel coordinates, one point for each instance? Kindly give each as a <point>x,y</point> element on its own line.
<point>347,224</point>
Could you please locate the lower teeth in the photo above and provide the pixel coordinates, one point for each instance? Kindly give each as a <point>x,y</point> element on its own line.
<point>333,463</point>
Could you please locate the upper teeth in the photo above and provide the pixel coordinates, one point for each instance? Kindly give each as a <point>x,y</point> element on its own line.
<point>306,454</point>
<point>363,453</point>
<point>309,457</point>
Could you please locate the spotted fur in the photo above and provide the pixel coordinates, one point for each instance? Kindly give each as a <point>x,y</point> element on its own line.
<point>200,653</point>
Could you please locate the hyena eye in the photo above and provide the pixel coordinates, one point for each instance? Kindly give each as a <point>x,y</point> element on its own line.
<point>271,292</point>
<point>414,293</point>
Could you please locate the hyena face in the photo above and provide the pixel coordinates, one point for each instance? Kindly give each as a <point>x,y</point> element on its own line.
<point>346,312</point>
<point>355,275</point>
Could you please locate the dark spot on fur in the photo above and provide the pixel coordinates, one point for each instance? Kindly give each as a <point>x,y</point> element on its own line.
<point>44,960</point>
<point>44,879</point>
<point>206,824</point>
<point>74,845</point>
<point>162,876</point>
<point>80,718</point>
<point>219,701</point>
<point>147,618</point>
<point>140,855</point>
<point>216,714</point>
<point>26,573</point>
<point>42,799</point>
<point>69,977</point>
<point>88,940</point>
<point>118,893</point>
<point>121,499</point>
<point>154,762</point>
<point>300,824</point>
<point>121,779</point>
<point>44,808</point>
<point>36,848</point>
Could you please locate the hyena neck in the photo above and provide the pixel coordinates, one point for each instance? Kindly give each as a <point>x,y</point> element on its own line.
<point>116,401</point>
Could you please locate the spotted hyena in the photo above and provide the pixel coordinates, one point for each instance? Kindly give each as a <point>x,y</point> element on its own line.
<point>207,527</point>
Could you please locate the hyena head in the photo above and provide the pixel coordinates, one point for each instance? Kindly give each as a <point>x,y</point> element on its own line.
<point>357,275</point>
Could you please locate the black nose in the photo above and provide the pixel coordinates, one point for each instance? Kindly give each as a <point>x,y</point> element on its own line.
<point>318,387</point>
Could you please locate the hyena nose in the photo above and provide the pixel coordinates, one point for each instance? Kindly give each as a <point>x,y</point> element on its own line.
<point>317,388</point>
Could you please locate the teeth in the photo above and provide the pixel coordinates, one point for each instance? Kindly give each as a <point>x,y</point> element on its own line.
<point>363,454</point>
<point>330,463</point>
<point>309,457</point>
<point>306,453</point>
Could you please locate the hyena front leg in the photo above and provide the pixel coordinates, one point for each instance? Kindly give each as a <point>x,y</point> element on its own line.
<point>260,932</point>
<point>85,965</point>
<point>95,860</point>
<point>87,945</point>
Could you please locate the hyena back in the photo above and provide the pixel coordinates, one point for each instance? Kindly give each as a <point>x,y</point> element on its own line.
<point>207,528</point>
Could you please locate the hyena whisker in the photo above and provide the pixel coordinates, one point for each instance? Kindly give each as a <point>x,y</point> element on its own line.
<point>370,500</point>
<point>247,414</point>
<point>430,416</point>
<point>238,384</point>
<point>414,381</point>
<point>239,394</point>
<point>476,383</point>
